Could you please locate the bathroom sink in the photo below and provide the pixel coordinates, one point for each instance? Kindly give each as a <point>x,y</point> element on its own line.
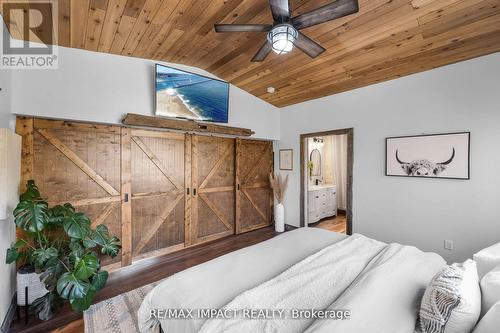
<point>319,187</point>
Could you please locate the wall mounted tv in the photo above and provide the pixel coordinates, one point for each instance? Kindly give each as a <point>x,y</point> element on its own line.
<point>186,95</point>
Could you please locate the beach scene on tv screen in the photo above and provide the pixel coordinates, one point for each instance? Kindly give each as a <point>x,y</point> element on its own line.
<point>191,96</point>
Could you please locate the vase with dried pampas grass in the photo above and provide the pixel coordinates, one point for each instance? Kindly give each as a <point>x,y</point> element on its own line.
<point>279,185</point>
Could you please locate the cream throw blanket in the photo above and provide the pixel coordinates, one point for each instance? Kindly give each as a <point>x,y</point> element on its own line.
<point>386,296</point>
<point>314,283</point>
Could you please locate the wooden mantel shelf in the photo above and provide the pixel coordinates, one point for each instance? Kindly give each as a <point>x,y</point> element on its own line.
<point>132,119</point>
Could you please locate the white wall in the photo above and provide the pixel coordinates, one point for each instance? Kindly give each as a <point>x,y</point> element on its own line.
<point>421,212</point>
<point>5,97</point>
<point>104,87</point>
<point>7,229</point>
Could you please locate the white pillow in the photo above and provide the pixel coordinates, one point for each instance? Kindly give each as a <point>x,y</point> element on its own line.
<point>452,301</point>
<point>490,289</point>
<point>487,259</point>
<point>490,323</point>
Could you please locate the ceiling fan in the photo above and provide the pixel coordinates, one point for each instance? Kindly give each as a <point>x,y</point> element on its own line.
<point>284,33</point>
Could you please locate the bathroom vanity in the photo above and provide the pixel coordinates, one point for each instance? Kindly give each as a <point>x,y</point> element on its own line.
<point>322,202</point>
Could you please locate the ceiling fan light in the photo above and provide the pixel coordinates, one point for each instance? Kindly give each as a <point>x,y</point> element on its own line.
<point>282,37</point>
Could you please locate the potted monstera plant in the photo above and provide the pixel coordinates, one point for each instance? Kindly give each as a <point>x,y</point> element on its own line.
<point>63,248</point>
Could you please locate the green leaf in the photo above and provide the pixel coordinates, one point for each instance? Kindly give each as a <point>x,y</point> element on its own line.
<point>47,306</point>
<point>82,304</point>
<point>77,225</point>
<point>31,192</point>
<point>99,280</point>
<point>58,213</point>
<point>42,256</point>
<point>89,242</point>
<point>68,286</point>
<point>112,247</point>
<point>76,248</point>
<point>51,274</point>
<point>100,235</point>
<point>31,215</point>
<point>64,210</point>
<point>20,244</point>
<point>12,255</point>
<point>86,267</point>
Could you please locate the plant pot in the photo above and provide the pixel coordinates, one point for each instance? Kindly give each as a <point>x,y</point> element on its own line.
<point>28,281</point>
<point>279,218</point>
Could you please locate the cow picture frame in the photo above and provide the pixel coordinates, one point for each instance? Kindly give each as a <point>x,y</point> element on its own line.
<point>444,156</point>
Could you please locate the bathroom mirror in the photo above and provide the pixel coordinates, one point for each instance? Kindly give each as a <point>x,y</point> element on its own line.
<point>315,159</point>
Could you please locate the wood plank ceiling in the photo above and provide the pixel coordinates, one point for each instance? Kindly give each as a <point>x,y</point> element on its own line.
<point>386,39</point>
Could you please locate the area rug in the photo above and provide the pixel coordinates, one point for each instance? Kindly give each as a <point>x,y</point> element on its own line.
<point>117,314</point>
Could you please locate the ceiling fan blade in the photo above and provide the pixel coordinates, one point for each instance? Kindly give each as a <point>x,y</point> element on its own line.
<point>242,27</point>
<point>263,52</point>
<point>326,13</point>
<point>308,46</point>
<point>280,10</point>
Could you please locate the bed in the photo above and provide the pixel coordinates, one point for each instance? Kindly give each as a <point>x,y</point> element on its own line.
<point>308,268</point>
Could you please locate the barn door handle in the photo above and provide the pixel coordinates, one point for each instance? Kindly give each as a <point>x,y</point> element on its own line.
<point>194,191</point>
<point>238,187</point>
<point>126,197</point>
<point>187,189</point>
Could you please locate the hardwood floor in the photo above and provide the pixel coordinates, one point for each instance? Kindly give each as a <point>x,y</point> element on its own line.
<point>337,224</point>
<point>76,326</point>
<point>144,272</point>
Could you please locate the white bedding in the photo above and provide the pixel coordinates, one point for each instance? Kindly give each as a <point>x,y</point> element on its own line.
<point>215,283</point>
<point>386,297</point>
<point>313,283</point>
<point>380,284</point>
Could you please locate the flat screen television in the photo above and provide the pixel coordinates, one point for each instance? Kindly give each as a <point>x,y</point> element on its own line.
<point>186,95</point>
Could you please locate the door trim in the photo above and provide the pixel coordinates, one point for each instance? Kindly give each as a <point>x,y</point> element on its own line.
<point>350,163</point>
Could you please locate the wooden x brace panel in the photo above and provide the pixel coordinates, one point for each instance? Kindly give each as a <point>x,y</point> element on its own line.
<point>157,224</point>
<point>78,161</point>
<point>216,166</point>
<point>216,211</point>
<point>255,167</point>
<point>149,153</point>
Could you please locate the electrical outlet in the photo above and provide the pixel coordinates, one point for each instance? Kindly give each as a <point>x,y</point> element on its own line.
<point>448,244</point>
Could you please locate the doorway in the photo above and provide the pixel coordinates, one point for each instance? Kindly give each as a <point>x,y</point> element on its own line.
<point>326,167</point>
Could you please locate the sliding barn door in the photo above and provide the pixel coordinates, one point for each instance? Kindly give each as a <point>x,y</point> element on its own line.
<point>157,192</point>
<point>254,160</point>
<point>213,189</point>
<point>76,163</point>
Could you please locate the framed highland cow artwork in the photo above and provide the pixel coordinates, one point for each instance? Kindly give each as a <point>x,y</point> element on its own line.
<point>429,156</point>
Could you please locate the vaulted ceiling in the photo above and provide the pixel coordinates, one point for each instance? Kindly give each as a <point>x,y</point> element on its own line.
<point>386,39</point>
